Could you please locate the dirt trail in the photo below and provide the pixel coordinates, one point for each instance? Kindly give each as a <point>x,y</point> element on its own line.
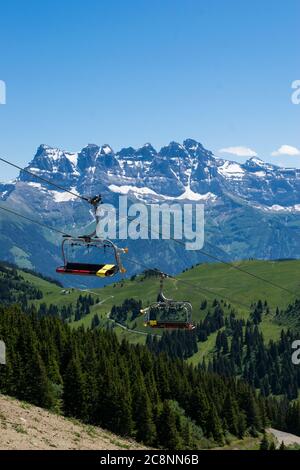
<point>287,438</point>
<point>23,426</point>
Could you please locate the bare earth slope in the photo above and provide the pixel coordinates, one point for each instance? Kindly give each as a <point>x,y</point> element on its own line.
<point>285,437</point>
<point>23,426</point>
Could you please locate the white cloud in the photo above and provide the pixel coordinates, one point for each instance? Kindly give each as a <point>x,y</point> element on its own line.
<point>286,150</point>
<point>239,151</point>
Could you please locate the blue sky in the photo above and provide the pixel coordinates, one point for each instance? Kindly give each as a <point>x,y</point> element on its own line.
<point>130,72</point>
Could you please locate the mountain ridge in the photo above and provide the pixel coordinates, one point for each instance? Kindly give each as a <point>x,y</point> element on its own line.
<point>167,172</point>
<point>238,198</point>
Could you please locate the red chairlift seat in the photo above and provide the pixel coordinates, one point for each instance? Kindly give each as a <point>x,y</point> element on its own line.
<point>85,269</point>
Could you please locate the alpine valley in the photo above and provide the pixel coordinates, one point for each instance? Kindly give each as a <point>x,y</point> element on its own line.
<point>252,210</point>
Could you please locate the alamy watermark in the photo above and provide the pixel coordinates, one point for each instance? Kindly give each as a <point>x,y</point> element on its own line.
<point>2,353</point>
<point>152,221</point>
<point>2,92</point>
<point>296,94</point>
<point>296,353</point>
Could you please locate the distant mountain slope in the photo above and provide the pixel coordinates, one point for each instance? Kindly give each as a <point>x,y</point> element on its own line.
<point>27,427</point>
<point>21,286</point>
<point>223,281</point>
<point>238,199</point>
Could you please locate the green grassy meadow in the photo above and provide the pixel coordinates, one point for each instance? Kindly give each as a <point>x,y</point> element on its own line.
<point>223,281</point>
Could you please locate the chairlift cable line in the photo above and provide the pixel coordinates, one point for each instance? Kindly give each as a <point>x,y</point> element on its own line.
<point>238,268</point>
<point>189,284</point>
<point>215,258</point>
<point>44,180</point>
<point>32,220</point>
<point>230,264</point>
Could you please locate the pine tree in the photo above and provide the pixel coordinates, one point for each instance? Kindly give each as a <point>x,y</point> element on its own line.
<point>282,446</point>
<point>199,408</point>
<point>214,425</point>
<point>95,321</point>
<point>167,429</point>
<point>74,390</point>
<point>142,412</point>
<point>272,446</point>
<point>264,443</point>
<point>115,403</point>
<point>231,415</point>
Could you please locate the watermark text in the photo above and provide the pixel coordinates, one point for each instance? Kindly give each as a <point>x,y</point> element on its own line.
<point>296,94</point>
<point>152,221</point>
<point>2,92</point>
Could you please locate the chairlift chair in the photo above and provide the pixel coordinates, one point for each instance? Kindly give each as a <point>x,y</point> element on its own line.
<point>168,313</point>
<point>101,269</point>
<point>91,269</point>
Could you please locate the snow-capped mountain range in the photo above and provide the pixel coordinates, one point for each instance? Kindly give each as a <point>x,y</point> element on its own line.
<point>237,196</point>
<point>178,171</point>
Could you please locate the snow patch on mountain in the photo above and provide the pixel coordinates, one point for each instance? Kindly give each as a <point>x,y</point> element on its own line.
<point>126,189</point>
<point>106,149</point>
<point>60,196</point>
<point>35,185</point>
<point>188,194</point>
<point>53,153</point>
<point>73,157</point>
<point>279,208</point>
<point>257,161</point>
<point>231,170</point>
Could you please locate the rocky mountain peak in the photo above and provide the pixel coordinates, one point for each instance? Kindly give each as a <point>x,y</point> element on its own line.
<point>106,150</point>
<point>174,149</point>
<point>147,152</point>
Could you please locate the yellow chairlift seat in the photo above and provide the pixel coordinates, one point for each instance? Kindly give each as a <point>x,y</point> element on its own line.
<point>107,270</point>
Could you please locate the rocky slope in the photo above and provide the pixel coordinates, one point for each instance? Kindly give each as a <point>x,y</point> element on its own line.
<point>27,427</point>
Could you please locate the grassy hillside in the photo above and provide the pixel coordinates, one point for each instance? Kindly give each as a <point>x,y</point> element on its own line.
<point>221,280</point>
